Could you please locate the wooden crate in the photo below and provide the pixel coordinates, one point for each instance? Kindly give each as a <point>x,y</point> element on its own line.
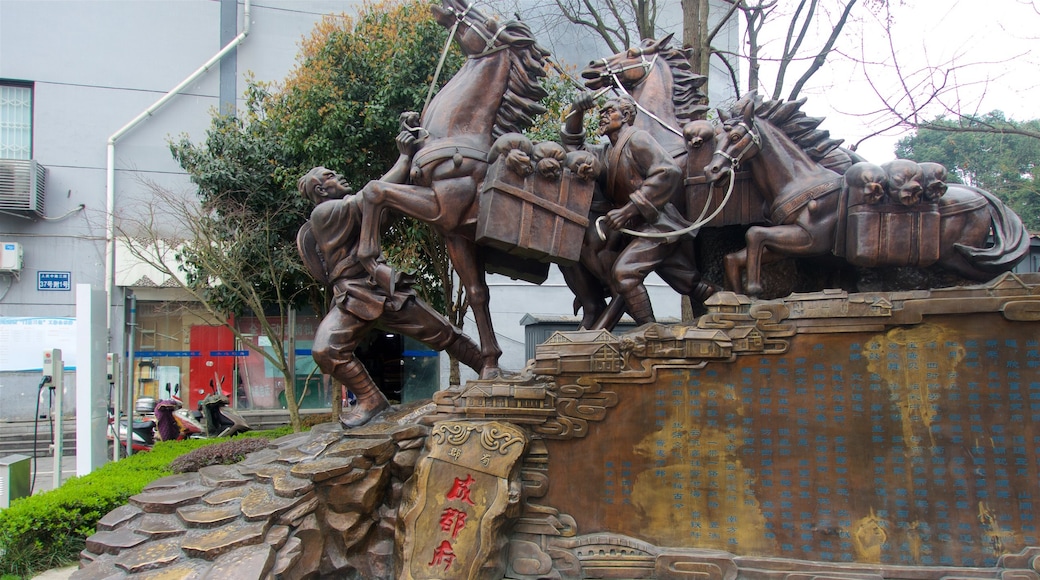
<point>892,235</point>
<point>534,217</point>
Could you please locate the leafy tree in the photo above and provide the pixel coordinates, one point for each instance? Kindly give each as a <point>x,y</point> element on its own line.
<point>561,86</point>
<point>977,153</point>
<point>230,262</point>
<point>340,108</point>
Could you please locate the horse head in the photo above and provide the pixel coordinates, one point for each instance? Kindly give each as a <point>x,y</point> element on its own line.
<point>625,69</point>
<point>477,34</point>
<point>737,141</point>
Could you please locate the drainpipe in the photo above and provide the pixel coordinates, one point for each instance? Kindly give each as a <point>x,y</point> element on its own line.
<point>110,171</point>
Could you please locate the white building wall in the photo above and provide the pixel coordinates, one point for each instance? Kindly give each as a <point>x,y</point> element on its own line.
<point>96,65</point>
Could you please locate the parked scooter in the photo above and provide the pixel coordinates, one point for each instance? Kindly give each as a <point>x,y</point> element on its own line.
<point>173,422</point>
<point>213,419</point>
<point>218,417</point>
<point>142,434</point>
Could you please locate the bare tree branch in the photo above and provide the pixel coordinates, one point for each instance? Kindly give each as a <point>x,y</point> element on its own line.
<point>203,263</point>
<point>821,56</point>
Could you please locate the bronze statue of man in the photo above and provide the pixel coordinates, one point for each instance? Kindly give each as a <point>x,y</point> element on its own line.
<point>639,180</point>
<point>328,244</point>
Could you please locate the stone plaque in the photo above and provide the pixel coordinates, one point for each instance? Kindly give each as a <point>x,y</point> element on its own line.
<point>455,511</point>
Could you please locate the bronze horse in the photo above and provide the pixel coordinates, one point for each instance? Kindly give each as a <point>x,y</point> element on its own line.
<point>495,92</point>
<point>803,202</point>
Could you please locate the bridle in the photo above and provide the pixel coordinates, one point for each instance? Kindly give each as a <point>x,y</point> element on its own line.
<point>643,63</point>
<point>647,66</point>
<point>489,42</point>
<point>755,141</point>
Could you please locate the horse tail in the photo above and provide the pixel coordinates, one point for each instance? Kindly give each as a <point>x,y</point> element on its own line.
<point>1010,238</point>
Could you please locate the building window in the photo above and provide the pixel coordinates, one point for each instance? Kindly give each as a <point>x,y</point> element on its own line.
<point>16,120</point>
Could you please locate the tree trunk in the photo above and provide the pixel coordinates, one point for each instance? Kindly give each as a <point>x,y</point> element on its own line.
<point>695,34</point>
<point>687,311</point>
<point>289,375</point>
<point>337,398</point>
<point>454,376</point>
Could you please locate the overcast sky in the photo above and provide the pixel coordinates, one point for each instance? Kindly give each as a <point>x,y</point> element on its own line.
<point>990,45</point>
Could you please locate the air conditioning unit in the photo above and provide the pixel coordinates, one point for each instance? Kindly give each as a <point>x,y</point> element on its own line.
<point>22,184</point>
<point>10,257</point>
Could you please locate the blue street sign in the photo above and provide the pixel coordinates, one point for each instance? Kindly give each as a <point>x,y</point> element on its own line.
<point>53,281</point>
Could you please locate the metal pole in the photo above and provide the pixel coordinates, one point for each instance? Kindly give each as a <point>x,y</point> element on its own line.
<point>291,340</point>
<point>129,378</point>
<point>115,391</point>
<point>58,381</point>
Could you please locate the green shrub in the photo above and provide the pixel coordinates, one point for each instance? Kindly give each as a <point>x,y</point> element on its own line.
<point>48,529</point>
<point>224,453</point>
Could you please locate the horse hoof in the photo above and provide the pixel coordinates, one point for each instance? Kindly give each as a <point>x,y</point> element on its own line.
<point>490,373</point>
<point>754,290</point>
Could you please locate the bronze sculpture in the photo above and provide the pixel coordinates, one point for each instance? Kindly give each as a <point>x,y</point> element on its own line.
<point>659,79</point>
<point>496,92</point>
<point>804,210</point>
<point>328,245</point>
<point>825,426</point>
<point>639,183</point>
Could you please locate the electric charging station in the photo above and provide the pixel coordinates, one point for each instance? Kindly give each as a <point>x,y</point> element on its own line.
<point>54,379</point>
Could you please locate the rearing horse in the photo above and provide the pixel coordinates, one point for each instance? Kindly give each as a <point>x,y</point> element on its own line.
<point>803,201</point>
<point>495,92</point>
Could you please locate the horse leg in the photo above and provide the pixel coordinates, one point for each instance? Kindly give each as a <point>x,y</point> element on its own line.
<point>463,253</point>
<point>589,279</point>
<point>420,203</point>
<point>768,244</point>
<point>732,264</point>
<point>588,292</point>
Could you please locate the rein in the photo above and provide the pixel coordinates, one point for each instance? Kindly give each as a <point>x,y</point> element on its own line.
<point>734,164</point>
<point>699,222</point>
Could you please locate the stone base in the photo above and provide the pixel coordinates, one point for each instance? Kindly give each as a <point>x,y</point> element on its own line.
<point>823,436</point>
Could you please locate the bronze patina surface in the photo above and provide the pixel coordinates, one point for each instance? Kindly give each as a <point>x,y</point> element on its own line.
<point>912,446</point>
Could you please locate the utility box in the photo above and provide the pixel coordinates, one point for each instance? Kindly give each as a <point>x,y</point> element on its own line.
<point>10,257</point>
<point>14,478</point>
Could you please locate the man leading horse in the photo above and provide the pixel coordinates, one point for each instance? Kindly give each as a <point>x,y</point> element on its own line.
<point>638,184</point>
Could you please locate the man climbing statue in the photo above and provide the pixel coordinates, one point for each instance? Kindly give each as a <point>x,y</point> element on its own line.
<point>328,244</point>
